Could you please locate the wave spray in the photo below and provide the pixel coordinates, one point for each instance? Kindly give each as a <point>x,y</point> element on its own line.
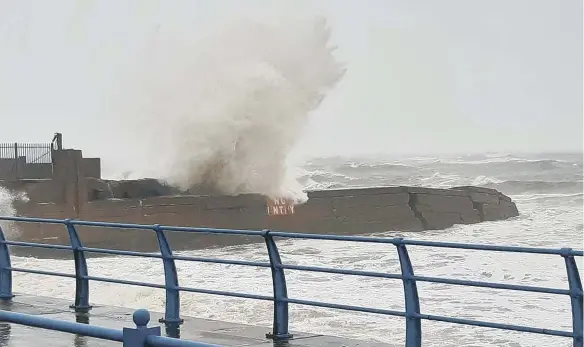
<point>227,112</point>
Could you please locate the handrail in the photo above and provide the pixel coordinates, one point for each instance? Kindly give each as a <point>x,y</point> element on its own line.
<point>140,336</point>
<point>280,296</point>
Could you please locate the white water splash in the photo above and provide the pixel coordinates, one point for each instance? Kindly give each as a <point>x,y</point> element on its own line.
<point>7,199</point>
<point>227,112</point>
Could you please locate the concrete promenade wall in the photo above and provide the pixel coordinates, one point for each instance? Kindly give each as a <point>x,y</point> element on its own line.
<point>343,212</point>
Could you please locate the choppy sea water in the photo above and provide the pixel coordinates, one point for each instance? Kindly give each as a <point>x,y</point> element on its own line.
<point>546,187</point>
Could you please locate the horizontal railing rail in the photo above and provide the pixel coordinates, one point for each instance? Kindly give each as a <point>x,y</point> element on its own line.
<point>280,297</point>
<point>140,336</point>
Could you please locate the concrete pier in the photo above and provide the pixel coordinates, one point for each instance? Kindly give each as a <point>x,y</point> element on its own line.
<point>201,330</point>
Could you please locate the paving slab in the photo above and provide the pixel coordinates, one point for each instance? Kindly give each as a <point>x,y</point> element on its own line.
<point>201,330</point>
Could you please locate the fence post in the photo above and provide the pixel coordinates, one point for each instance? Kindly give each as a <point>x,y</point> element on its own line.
<point>137,337</point>
<point>412,301</point>
<point>5,269</point>
<point>81,273</point>
<point>171,318</point>
<point>575,285</point>
<point>280,323</point>
<point>16,160</point>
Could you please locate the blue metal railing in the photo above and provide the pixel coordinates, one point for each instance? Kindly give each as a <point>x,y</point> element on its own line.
<point>131,337</point>
<point>280,297</point>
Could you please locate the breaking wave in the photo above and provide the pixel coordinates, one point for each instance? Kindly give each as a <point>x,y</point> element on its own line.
<point>227,111</point>
<point>519,187</point>
<point>511,174</point>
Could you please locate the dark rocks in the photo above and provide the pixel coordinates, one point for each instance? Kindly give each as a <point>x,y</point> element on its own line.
<point>139,189</point>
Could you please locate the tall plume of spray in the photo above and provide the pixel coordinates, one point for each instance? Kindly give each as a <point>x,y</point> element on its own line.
<point>224,114</point>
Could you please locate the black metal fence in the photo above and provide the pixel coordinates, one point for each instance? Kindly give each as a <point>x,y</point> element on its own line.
<point>25,160</point>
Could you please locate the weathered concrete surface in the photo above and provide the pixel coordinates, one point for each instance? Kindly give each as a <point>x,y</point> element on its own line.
<point>343,212</point>
<point>202,330</point>
<point>75,191</point>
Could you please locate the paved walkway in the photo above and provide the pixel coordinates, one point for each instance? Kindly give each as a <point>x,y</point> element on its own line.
<point>203,330</point>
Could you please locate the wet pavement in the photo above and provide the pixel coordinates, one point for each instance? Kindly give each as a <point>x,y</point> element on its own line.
<point>202,330</point>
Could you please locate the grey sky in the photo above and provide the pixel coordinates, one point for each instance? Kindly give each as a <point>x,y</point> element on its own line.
<point>423,76</point>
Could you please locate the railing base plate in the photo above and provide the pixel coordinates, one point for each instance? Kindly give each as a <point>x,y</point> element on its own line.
<point>177,321</point>
<point>281,337</point>
<point>81,309</point>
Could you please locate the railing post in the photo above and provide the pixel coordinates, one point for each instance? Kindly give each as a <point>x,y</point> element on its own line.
<point>16,160</point>
<point>81,273</point>
<point>80,340</point>
<point>171,318</point>
<point>280,323</point>
<point>137,337</point>
<point>412,301</point>
<point>575,285</point>
<point>5,269</point>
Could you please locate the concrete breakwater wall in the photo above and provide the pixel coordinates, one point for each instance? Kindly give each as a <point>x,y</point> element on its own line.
<point>76,192</point>
<point>345,212</point>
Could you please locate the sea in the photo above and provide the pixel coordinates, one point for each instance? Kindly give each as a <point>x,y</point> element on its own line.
<point>547,189</point>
